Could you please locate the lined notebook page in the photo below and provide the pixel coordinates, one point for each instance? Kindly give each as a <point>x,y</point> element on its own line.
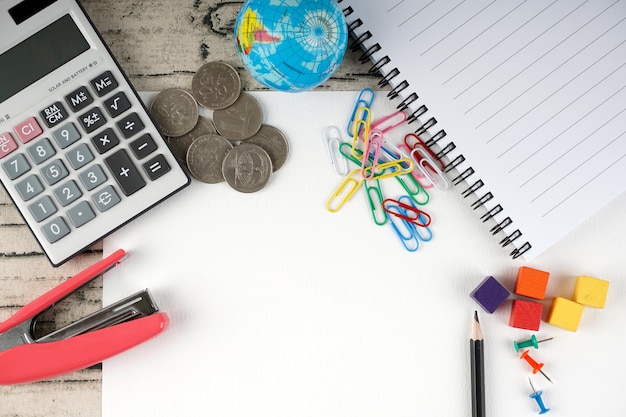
<point>531,92</point>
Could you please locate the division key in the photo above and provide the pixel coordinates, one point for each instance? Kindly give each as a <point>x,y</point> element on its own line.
<point>125,172</point>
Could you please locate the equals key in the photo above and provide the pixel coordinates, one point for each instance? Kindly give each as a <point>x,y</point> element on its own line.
<point>125,172</point>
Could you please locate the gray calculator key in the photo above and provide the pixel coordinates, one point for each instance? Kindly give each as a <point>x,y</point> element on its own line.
<point>67,193</point>
<point>79,156</point>
<point>125,172</point>
<point>55,229</point>
<point>54,172</point>
<point>41,151</point>
<point>81,214</point>
<point>16,166</point>
<point>29,187</point>
<point>106,198</point>
<point>42,208</point>
<point>66,135</point>
<point>92,177</point>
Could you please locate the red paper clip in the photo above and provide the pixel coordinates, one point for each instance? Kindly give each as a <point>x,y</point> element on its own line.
<point>413,214</point>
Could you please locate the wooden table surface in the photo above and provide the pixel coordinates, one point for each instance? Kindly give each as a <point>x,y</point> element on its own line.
<point>160,44</point>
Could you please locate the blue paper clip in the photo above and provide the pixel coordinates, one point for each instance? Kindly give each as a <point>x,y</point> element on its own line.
<point>361,102</point>
<point>345,191</point>
<point>417,231</point>
<point>376,201</point>
<point>404,231</point>
<point>429,168</point>
<point>332,137</point>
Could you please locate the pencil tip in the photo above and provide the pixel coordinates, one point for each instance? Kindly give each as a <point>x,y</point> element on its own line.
<point>476,316</point>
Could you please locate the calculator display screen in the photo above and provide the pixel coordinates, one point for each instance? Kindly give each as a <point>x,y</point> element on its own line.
<point>39,55</point>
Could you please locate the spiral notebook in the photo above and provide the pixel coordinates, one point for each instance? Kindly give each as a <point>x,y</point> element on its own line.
<point>524,101</point>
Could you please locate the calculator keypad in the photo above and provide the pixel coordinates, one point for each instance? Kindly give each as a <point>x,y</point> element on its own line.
<point>52,157</point>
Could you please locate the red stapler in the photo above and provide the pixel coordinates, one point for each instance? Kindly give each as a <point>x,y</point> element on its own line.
<point>86,342</point>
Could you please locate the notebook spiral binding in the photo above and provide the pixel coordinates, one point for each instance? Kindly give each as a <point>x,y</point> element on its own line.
<point>391,76</point>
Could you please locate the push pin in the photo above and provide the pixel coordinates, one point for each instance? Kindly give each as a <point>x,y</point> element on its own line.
<point>536,366</point>
<point>536,395</point>
<point>530,342</point>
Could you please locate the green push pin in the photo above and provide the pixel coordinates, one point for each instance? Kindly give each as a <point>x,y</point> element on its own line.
<point>530,342</point>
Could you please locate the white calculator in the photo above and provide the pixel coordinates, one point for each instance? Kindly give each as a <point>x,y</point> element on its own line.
<point>79,153</point>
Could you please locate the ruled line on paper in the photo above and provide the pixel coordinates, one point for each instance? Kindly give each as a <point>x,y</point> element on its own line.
<point>438,20</point>
<point>395,5</point>
<point>415,14</point>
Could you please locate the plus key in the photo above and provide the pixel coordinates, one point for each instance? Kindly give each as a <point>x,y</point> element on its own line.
<point>125,172</point>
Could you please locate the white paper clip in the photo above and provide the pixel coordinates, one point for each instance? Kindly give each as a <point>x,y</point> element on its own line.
<point>332,138</point>
<point>429,168</point>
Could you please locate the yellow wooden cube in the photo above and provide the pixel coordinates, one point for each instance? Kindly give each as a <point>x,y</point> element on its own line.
<point>565,313</point>
<point>591,291</point>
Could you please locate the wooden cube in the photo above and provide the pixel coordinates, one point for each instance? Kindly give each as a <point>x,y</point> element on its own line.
<point>490,294</point>
<point>565,313</point>
<point>531,282</point>
<point>526,314</point>
<point>591,291</point>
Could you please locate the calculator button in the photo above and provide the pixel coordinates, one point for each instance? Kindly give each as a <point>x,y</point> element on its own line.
<point>7,144</point>
<point>41,151</point>
<point>117,104</point>
<point>66,135</point>
<point>105,141</point>
<point>143,146</point>
<point>16,166</point>
<point>81,214</point>
<point>92,177</point>
<point>105,198</point>
<point>124,172</point>
<point>156,167</point>
<point>42,208</point>
<point>55,230</point>
<point>54,172</point>
<point>29,187</point>
<point>79,156</point>
<point>67,193</point>
<point>130,125</point>
<point>28,130</point>
<point>104,84</point>
<point>54,114</point>
<point>79,99</point>
<point>92,120</point>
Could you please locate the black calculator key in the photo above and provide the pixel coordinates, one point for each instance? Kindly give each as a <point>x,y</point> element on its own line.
<point>117,104</point>
<point>156,167</point>
<point>79,99</point>
<point>92,120</point>
<point>130,125</point>
<point>105,140</point>
<point>125,172</point>
<point>143,146</point>
<point>104,84</point>
<point>54,114</point>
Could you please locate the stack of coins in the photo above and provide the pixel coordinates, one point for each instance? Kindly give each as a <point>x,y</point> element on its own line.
<point>235,146</point>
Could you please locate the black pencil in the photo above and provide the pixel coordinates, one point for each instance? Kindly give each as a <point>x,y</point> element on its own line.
<point>478,369</point>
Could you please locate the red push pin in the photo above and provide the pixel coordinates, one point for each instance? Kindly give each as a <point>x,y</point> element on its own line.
<point>536,366</point>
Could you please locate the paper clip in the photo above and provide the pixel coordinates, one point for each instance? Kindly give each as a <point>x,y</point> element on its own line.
<point>376,202</point>
<point>409,212</point>
<point>392,120</point>
<point>416,173</point>
<point>430,169</point>
<point>417,231</point>
<point>372,149</point>
<point>414,189</point>
<point>412,141</point>
<point>361,123</point>
<point>405,234</point>
<point>348,153</point>
<point>345,191</point>
<point>360,103</point>
<point>332,137</point>
<point>392,169</point>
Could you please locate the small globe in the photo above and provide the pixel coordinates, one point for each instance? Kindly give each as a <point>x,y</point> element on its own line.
<point>291,45</point>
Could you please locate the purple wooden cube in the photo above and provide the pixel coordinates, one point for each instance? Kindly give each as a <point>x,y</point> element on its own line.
<point>490,294</point>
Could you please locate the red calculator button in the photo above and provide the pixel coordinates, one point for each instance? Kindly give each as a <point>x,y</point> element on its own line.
<point>28,130</point>
<point>7,144</point>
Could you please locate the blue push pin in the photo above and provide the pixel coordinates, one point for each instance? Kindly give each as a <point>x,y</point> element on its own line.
<point>536,395</point>
<point>530,342</point>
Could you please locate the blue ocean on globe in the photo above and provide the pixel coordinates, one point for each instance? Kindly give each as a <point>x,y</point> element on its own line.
<point>291,45</point>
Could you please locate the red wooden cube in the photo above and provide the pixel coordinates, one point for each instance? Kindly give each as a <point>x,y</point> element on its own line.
<point>526,315</point>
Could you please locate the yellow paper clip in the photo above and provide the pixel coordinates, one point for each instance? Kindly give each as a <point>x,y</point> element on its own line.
<point>376,201</point>
<point>429,168</point>
<point>332,137</point>
<point>391,169</point>
<point>364,99</point>
<point>373,146</point>
<point>361,126</point>
<point>403,229</point>
<point>389,122</point>
<point>345,191</point>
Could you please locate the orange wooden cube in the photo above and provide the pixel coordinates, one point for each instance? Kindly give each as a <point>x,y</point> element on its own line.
<point>531,282</point>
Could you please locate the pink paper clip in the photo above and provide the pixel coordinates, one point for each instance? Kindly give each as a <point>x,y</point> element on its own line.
<point>409,212</point>
<point>429,168</point>
<point>372,149</point>
<point>389,122</point>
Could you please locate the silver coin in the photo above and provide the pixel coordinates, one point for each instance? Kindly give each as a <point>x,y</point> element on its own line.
<point>241,120</point>
<point>247,168</point>
<point>216,85</point>
<point>205,157</point>
<point>175,112</point>
<point>180,145</point>
<point>274,142</point>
